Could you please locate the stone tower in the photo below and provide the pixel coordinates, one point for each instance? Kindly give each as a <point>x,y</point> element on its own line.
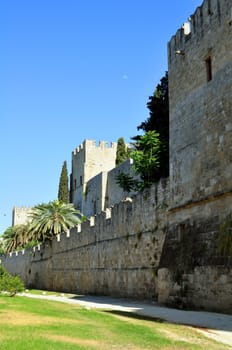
<point>195,267</point>
<point>89,160</point>
<point>21,215</point>
<point>200,88</point>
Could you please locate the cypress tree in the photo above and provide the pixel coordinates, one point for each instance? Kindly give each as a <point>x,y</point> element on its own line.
<point>121,154</point>
<point>63,193</point>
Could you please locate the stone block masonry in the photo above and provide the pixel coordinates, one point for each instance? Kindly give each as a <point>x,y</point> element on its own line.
<point>192,271</point>
<point>200,91</point>
<point>88,161</point>
<point>116,253</point>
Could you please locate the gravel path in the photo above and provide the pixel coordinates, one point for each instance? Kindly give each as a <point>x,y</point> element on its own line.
<point>213,325</point>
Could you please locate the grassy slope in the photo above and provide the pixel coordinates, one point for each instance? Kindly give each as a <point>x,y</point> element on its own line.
<point>45,325</point>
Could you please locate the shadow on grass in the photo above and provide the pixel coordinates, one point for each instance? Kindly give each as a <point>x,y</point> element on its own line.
<point>134,316</point>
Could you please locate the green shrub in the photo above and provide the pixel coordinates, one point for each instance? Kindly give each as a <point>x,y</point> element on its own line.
<point>10,284</point>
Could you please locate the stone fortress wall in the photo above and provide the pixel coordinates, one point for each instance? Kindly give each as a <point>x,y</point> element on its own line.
<point>200,88</point>
<point>115,253</point>
<point>164,243</point>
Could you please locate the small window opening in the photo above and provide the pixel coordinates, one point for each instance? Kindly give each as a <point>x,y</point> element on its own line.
<point>81,181</point>
<point>208,64</point>
<point>75,183</point>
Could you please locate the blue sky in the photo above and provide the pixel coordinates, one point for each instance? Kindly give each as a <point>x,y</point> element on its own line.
<point>72,70</point>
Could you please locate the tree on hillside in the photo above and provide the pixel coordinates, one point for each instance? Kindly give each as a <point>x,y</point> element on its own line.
<point>63,192</point>
<point>121,154</point>
<point>53,218</point>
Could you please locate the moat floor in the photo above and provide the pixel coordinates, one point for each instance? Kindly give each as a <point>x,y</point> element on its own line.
<point>214,325</point>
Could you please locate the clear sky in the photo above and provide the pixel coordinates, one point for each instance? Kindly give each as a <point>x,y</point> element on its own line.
<point>72,70</point>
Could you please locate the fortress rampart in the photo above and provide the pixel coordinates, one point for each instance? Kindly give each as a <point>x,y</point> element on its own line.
<point>138,249</point>
<point>165,243</point>
<point>97,257</point>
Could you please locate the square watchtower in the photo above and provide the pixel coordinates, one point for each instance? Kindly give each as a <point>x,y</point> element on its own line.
<point>89,160</point>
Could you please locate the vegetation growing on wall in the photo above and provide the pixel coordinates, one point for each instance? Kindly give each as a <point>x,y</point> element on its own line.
<point>127,182</point>
<point>225,237</point>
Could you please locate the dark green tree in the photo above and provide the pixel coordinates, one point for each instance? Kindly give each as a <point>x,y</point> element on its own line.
<point>158,105</point>
<point>63,192</point>
<point>146,157</point>
<point>151,150</point>
<point>121,154</point>
<point>158,120</point>
<point>127,182</point>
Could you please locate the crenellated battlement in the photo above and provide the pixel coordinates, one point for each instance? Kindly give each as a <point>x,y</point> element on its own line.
<point>22,209</point>
<point>78,149</point>
<point>92,144</point>
<point>154,199</point>
<point>20,215</point>
<point>207,18</point>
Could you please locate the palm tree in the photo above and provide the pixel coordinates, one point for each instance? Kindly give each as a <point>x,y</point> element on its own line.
<point>53,218</point>
<point>15,237</point>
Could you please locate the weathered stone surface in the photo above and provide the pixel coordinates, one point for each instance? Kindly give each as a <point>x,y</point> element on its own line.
<point>201,110</point>
<point>118,255</point>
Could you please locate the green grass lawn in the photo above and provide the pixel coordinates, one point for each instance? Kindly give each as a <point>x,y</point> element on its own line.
<point>48,325</point>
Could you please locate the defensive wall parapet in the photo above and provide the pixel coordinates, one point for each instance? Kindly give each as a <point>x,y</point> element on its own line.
<point>92,144</point>
<point>139,248</point>
<point>116,252</point>
<point>207,33</point>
